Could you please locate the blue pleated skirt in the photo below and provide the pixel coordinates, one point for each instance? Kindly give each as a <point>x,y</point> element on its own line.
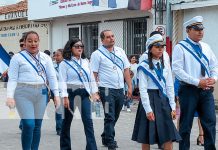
<point>159,131</point>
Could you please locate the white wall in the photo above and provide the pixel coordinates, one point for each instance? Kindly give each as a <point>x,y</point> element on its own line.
<point>60,33</point>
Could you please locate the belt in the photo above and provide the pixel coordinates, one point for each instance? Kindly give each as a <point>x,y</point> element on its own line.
<point>31,85</point>
<point>74,86</point>
<point>186,84</point>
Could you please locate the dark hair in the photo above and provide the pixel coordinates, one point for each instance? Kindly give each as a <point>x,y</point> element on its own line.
<point>11,53</point>
<point>67,52</point>
<point>150,56</point>
<point>155,32</point>
<point>47,52</point>
<point>59,50</point>
<point>29,32</point>
<point>131,56</point>
<point>102,36</point>
<point>21,40</point>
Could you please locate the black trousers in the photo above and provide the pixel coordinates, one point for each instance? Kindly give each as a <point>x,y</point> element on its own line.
<point>112,100</point>
<point>195,99</point>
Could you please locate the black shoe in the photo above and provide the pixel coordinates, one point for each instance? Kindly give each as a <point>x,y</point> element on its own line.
<point>107,144</point>
<point>112,147</point>
<point>59,132</point>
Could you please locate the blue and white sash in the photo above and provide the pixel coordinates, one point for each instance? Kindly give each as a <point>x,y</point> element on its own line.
<point>161,84</point>
<point>82,74</point>
<point>40,69</point>
<point>116,61</point>
<point>204,62</point>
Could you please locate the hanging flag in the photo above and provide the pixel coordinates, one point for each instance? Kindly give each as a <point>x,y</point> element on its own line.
<point>4,59</point>
<point>105,3</point>
<point>139,4</point>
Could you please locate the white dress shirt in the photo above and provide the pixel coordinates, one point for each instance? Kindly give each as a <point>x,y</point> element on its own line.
<point>145,83</point>
<point>21,71</point>
<point>107,75</point>
<point>69,76</point>
<point>188,69</point>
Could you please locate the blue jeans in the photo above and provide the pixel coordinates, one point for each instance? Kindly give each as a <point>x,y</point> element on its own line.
<point>65,141</point>
<point>127,102</point>
<point>31,104</point>
<point>112,101</point>
<point>31,133</point>
<point>195,99</point>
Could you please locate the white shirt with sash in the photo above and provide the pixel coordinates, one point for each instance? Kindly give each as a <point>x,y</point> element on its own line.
<point>21,71</point>
<point>110,74</point>
<point>187,68</point>
<point>146,82</point>
<point>71,73</point>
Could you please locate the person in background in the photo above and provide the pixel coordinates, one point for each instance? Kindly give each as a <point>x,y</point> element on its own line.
<point>58,113</point>
<point>156,110</point>
<point>47,52</point>
<point>29,72</point>
<point>127,100</point>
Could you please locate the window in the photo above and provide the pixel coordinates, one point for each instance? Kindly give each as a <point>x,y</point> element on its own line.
<point>74,32</point>
<point>135,31</point>
<point>90,38</point>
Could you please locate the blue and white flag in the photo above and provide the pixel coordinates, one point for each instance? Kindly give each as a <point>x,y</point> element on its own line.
<point>4,59</point>
<point>105,3</point>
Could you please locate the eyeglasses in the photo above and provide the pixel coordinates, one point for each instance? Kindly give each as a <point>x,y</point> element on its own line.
<point>78,46</point>
<point>21,45</point>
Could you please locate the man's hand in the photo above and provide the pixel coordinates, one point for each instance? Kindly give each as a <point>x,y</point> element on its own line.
<point>10,102</point>
<point>95,97</point>
<point>210,82</point>
<point>150,116</point>
<point>203,83</point>
<point>173,114</point>
<point>129,92</point>
<point>66,103</point>
<point>57,102</point>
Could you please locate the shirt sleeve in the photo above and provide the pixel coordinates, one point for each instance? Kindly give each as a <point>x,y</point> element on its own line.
<point>178,65</point>
<point>170,88</point>
<point>213,65</point>
<point>95,61</point>
<point>13,76</point>
<point>94,87</point>
<point>63,79</point>
<point>143,82</point>
<point>126,61</point>
<point>51,76</point>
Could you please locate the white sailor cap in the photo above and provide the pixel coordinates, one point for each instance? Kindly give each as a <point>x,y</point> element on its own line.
<point>195,23</point>
<point>155,40</point>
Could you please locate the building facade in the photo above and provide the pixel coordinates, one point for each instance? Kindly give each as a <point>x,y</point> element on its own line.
<point>14,22</point>
<point>80,19</point>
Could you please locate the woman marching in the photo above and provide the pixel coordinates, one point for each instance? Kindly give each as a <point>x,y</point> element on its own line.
<point>30,72</point>
<point>77,79</point>
<point>156,110</point>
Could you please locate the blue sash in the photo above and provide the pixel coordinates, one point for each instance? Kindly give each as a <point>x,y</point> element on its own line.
<point>34,67</point>
<point>118,62</point>
<point>77,72</point>
<point>160,84</point>
<point>197,58</point>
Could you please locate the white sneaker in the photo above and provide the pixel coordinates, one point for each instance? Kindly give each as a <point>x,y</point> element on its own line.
<point>123,108</point>
<point>128,110</point>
